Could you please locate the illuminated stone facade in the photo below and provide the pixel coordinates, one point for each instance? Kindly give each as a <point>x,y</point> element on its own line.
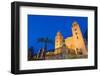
<point>75,43</point>
<point>69,48</point>
<point>78,40</point>
<point>58,43</point>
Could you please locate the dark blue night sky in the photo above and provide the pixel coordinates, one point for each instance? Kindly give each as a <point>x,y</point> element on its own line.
<point>42,26</point>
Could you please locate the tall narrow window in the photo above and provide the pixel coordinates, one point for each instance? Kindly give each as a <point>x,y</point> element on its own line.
<point>77,37</point>
<point>77,49</point>
<point>76,33</point>
<point>75,29</point>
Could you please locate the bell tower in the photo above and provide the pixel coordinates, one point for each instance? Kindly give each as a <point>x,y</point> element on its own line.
<point>58,43</point>
<point>78,40</point>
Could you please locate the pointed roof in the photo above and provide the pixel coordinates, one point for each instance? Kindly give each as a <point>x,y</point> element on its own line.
<point>59,34</point>
<point>74,23</point>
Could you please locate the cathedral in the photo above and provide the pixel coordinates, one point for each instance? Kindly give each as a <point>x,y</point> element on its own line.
<point>66,48</point>
<point>75,43</point>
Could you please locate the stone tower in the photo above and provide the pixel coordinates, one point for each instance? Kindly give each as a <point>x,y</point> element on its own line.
<point>58,43</point>
<point>78,39</point>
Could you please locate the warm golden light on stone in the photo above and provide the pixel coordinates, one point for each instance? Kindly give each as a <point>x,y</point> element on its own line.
<point>75,42</point>
<point>58,42</point>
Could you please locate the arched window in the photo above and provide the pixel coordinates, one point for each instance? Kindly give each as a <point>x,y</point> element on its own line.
<point>75,29</point>
<point>76,33</point>
<point>76,49</point>
<point>77,37</point>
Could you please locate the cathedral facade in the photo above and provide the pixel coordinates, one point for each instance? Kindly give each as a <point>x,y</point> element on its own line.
<point>75,43</point>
